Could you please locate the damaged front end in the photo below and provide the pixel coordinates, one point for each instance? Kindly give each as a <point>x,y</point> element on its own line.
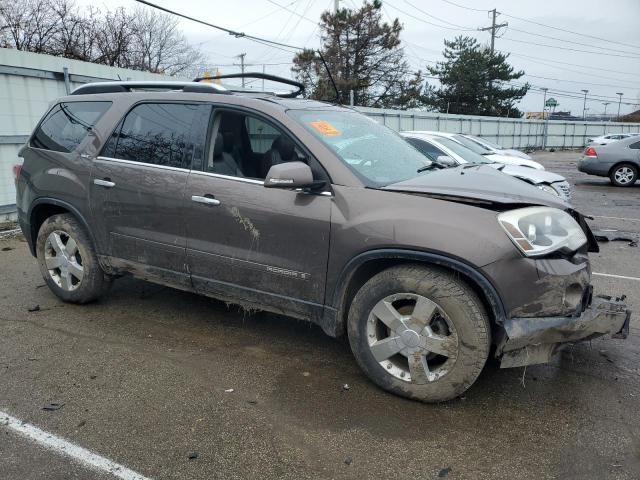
<point>533,340</point>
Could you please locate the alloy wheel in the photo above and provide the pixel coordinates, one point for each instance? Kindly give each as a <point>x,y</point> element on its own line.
<point>412,338</point>
<point>624,175</point>
<point>63,260</point>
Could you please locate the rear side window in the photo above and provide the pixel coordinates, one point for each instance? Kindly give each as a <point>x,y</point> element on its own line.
<point>155,133</point>
<point>66,125</point>
<point>635,146</point>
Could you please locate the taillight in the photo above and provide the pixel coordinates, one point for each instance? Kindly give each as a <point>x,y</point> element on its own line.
<point>16,171</point>
<point>590,152</point>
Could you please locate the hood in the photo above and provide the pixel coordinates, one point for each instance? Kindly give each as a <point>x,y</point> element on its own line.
<point>480,183</point>
<point>511,160</point>
<point>532,175</point>
<point>516,153</point>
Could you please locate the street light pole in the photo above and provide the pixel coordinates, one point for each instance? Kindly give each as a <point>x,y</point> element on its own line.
<point>605,108</point>
<point>584,106</point>
<point>619,103</point>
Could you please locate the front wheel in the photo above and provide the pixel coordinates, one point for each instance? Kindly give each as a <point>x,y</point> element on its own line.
<point>624,175</point>
<point>68,260</point>
<point>419,332</point>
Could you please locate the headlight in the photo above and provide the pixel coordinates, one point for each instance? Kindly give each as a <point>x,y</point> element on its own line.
<point>549,189</point>
<point>537,231</point>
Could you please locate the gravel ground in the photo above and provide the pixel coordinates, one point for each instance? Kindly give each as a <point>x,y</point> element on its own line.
<point>143,373</point>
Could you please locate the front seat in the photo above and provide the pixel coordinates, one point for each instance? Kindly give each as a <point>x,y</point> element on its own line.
<point>282,150</point>
<point>223,162</point>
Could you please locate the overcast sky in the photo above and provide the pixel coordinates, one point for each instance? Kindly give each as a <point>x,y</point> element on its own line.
<point>616,68</point>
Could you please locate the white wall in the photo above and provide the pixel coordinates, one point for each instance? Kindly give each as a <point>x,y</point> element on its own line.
<point>23,99</point>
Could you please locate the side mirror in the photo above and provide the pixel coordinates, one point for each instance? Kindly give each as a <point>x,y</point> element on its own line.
<point>289,175</point>
<point>446,160</point>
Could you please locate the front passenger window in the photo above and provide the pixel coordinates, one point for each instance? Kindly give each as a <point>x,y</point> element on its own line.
<point>246,146</point>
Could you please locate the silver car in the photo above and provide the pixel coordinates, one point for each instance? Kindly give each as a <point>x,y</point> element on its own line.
<point>448,152</point>
<point>620,161</point>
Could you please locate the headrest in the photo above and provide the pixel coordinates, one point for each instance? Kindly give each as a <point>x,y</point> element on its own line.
<point>218,145</point>
<point>284,146</point>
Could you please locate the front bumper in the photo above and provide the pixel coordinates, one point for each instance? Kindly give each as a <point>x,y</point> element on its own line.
<point>529,341</point>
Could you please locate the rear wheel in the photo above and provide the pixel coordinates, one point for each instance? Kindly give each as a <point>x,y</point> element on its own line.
<point>624,175</point>
<point>419,332</point>
<point>68,261</point>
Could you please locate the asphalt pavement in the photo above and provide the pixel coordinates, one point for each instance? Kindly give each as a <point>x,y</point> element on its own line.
<point>144,378</point>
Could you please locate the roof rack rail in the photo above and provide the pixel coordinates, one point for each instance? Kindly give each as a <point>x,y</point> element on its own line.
<point>263,76</point>
<point>122,87</point>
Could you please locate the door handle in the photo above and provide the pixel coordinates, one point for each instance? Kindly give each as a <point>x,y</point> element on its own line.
<point>106,183</point>
<point>207,200</point>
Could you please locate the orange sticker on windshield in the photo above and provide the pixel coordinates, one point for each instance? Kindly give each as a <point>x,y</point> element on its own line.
<point>325,128</point>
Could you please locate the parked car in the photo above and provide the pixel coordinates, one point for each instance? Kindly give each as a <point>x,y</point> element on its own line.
<point>609,138</point>
<point>435,148</point>
<point>620,161</point>
<point>495,148</point>
<point>313,211</point>
<point>480,150</point>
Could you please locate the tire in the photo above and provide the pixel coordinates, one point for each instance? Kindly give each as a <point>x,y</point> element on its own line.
<point>623,175</point>
<point>454,347</point>
<point>71,270</point>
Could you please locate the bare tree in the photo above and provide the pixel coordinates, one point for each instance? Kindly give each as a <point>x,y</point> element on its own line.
<point>142,39</point>
<point>29,24</point>
<point>158,45</point>
<point>77,32</point>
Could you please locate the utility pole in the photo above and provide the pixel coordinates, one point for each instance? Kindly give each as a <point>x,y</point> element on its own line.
<point>619,103</point>
<point>241,57</point>
<point>584,105</point>
<point>493,28</point>
<point>544,125</point>
<point>336,5</point>
<point>263,65</point>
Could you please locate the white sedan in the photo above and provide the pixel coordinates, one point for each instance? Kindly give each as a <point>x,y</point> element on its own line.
<point>495,148</point>
<point>610,137</point>
<point>480,150</point>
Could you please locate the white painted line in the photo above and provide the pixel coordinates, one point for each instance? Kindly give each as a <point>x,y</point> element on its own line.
<point>6,233</point>
<point>64,447</point>
<point>617,218</point>
<point>616,276</point>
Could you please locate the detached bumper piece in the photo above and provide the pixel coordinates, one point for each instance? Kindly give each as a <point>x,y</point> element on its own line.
<point>529,341</point>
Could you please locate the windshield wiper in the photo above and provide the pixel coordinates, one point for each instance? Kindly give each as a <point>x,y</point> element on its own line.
<point>431,166</point>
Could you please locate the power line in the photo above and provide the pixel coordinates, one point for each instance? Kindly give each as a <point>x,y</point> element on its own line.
<point>286,7</point>
<point>580,82</point>
<point>430,23</point>
<point>569,41</point>
<point>436,18</point>
<point>217,27</point>
<point>569,31</point>
<point>569,49</point>
<point>462,6</point>
<point>536,60</point>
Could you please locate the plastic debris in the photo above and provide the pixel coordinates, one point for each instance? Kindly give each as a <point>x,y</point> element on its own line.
<point>51,407</point>
<point>229,390</point>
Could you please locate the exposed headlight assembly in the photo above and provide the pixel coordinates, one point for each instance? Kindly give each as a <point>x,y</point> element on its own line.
<point>538,231</point>
<point>549,189</point>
